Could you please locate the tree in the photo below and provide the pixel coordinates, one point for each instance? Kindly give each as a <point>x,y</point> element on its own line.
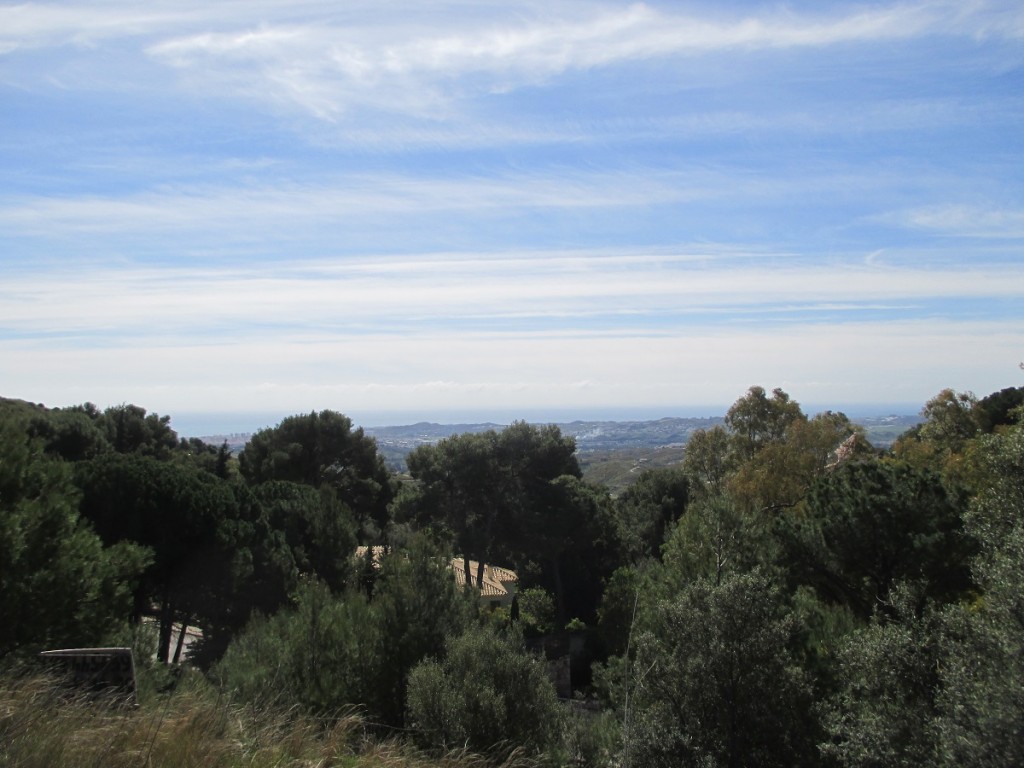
<point>707,461</point>
<point>778,476</point>
<point>129,429</point>
<point>996,410</point>
<point>204,456</point>
<point>176,510</point>
<point>647,508</point>
<point>755,420</point>
<point>888,672</point>
<point>714,681</point>
<point>944,439</point>
<point>59,586</point>
<point>495,493</point>
<point>418,606</point>
<point>949,420</point>
<point>573,536</point>
<point>871,524</point>
<point>329,650</point>
<point>322,449</point>
<point>463,490</point>
<point>71,433</point>
<point>981,700</point>
<point>319,532</point>
<point>712,540</point>
<point>488,694</point>
<point>321,654</point>
<point>941,685</point>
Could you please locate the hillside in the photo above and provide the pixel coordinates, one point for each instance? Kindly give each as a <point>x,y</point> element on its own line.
<point>610,452</point>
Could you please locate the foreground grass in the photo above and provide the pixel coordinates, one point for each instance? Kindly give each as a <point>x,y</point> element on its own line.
<point>42,726</point>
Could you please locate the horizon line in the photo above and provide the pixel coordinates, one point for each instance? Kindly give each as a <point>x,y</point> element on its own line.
<point>215,423</point>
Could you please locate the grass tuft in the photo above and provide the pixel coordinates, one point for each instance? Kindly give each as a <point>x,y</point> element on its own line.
<point>43,725</point>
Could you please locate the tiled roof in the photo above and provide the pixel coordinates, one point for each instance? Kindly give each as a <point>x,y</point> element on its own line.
<point>498,583</point>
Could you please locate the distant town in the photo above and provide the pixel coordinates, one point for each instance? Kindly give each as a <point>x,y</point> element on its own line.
<point>607,449</point>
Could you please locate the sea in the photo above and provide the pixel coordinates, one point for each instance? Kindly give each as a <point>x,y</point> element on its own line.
<point>204,424</point>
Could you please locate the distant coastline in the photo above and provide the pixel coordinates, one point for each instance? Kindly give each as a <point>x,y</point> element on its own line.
<point>206,424</point>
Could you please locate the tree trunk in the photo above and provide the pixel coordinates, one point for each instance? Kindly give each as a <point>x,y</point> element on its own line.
<point>556,575</point>
<point>181,639</point>
<point>163,650</point>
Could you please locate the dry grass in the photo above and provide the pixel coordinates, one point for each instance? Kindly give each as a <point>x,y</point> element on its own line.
<point>41,726</point>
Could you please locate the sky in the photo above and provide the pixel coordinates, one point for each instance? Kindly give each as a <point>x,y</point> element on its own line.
<point>430,208</point>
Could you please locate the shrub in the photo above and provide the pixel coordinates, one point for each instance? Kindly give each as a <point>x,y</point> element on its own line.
<point>330,652</point>
<point>487,694</point>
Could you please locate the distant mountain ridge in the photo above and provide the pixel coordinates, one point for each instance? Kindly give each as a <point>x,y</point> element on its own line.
<point>396,442</point>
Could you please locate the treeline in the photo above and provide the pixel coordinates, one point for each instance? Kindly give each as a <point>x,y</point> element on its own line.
<point>788,595</point>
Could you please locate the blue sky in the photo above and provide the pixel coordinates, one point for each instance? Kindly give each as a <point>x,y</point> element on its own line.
<point>431,207</point>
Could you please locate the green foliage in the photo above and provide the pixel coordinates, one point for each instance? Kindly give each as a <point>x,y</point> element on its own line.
<point>590,738</point>
<point>129,429</point>
<point>204,456</point>
<point>981,700</point>
<point>885,709</point>
<point>573,536</point>
<point>183,514</point>
<point>778,476</point>
<point>712,539</point>
<point>943,442</point>
<point>461,488</point>
<point>769,453</point>
<point>903,615</point>
<point>487,693</point>
<point>629,593</point>
<point>756,421</point>
<point>869,525</point>
<point>516,497</point>
<point>59,586</point>
<point>319,531</point>
<point>536,611</point>
<point>646,509</point>
<point>417,605</point>
<point>278,533</point>
<point>321,449</point>
<point>707,461</point>
<point>997,409</point>
<point>714,681</point>
<point>485,488</point>
<point>333,651</point>
<point>943,687</point>
<point>949,420</point>
<point>996,519</point>
<point>322,654</point>
<point>72,433</point>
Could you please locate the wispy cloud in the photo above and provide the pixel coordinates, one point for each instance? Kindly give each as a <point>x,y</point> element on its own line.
<point>445,371</point>
<point>966,221</point>
<point>568,290</point>
<point>327,70</point>
<point>421,59</point>
<point>353,196</point>
<point>312,203</point>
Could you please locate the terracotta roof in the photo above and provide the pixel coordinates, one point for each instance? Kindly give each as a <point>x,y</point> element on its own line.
<point>498,583</point>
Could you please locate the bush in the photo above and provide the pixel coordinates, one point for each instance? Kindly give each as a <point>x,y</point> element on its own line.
<point>714,681</point>
<point>488,694</point>
<point>321,655</point>
<point>331,652</point>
